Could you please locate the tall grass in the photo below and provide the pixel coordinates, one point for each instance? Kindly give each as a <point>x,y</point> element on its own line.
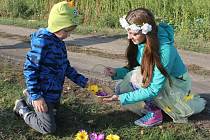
<point>189,17</point>
<point>36,9</point>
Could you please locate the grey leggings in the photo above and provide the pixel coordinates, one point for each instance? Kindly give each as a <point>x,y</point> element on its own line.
<point>42,122</point>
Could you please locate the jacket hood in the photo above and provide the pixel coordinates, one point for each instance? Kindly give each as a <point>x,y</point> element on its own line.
<point>165,34</point>
<point>42,37</point>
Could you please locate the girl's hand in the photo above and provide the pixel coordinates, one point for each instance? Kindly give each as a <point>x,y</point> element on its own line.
<point>110,99</point>
<point>40,105</point>
<point>109,71</point>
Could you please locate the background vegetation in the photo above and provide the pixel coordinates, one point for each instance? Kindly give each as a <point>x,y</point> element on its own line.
<point>189,17</point>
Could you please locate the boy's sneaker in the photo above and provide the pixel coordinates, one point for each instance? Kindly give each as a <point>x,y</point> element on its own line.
<point>152,118</point>
<point>20,108</point>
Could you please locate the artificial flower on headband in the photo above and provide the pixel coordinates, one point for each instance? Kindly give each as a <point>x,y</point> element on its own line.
<point>124,23</point>
<point>145,28</point>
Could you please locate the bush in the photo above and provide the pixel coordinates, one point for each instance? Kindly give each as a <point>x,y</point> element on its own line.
<point>19,8</point>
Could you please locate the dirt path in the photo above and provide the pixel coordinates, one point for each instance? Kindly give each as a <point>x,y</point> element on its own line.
<point>89,50</point>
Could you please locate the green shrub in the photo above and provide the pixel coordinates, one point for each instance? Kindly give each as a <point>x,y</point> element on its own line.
<point>21,9</point>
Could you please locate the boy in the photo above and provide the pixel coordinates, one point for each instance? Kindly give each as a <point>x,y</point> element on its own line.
<point>45,69</point>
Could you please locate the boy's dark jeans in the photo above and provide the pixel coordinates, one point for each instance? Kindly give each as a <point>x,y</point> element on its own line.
<point>43,122</point>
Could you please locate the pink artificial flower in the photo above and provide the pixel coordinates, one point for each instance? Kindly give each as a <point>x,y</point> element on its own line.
<point>94,136</point>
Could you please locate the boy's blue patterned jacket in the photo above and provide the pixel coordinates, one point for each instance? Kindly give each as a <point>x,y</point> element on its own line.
<point>47,65</point>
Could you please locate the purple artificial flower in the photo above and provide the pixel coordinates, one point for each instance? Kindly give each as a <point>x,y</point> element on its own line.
<point>100,137</point>
<point>102,93</point>
<point>94,136</point>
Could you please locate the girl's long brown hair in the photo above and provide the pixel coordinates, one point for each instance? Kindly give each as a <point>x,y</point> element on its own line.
<point>151,55</point>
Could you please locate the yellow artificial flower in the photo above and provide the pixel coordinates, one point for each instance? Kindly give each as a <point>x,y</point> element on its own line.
<point>112,137</point>
<point>81,135</point>
<point>93,88</point>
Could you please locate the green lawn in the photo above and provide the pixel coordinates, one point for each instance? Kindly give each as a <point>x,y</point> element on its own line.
<point>79,111</point>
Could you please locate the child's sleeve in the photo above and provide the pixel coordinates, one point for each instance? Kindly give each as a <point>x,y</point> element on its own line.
<point>143,94</point>
<point>168,55</point>
<point>77,78</point>
<point>31,71</point>
<point>120,73</point>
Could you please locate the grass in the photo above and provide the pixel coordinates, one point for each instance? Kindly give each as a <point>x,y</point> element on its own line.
<point>79,111</point>
<point>187,42</point>
<point>23,22</point>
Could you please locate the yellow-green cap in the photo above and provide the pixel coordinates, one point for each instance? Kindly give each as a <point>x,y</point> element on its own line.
<point>62,16</point>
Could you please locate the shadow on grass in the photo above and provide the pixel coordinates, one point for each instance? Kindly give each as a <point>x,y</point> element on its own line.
<point>70,120</point>
<point>74,116</point>
<point>204,115</point>
<point>13,127</point>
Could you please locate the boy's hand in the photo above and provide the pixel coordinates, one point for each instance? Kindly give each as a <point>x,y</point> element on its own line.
<point>109,71</point>
<point>40,105</point>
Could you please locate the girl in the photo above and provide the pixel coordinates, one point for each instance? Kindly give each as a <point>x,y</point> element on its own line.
<point>155,72</point>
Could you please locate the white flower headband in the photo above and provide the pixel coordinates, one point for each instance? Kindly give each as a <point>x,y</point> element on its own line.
<point>145,28</point>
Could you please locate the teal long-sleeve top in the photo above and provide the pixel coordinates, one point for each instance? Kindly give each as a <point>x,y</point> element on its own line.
<point>170,60</point>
